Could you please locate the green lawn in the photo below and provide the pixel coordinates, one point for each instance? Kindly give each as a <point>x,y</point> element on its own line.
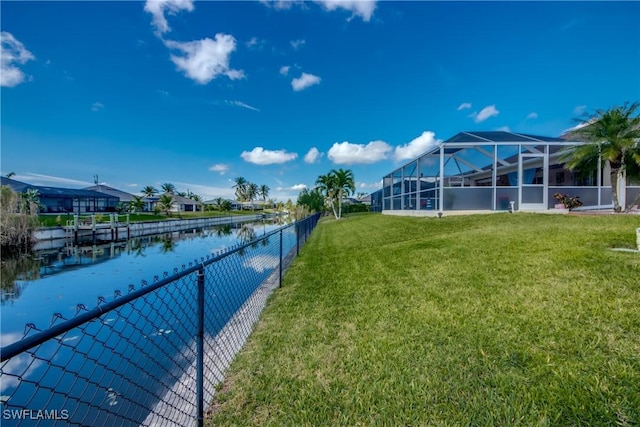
<point>482,320</point>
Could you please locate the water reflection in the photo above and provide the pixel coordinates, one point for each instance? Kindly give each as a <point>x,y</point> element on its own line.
<point>23,267</point>
<point>19,272</point>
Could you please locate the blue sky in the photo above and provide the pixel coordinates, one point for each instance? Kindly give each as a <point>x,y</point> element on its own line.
<point>198,93</point>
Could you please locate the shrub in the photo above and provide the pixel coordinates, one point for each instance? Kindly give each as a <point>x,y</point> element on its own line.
<point>355,208</point>
<point>19,219</point>
<point>568,201</point>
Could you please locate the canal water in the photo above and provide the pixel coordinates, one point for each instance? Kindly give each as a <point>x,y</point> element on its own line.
<point>58,281</point>
<point>49,282</point>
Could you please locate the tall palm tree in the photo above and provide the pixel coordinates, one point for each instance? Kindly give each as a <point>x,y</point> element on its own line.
<point>327,186</point>
<point>263,192</point>
<point>169,188</point>
<point>344,184</point>
<point>149,191</point>
<point>165,203</point>
<point>241,188</point>
<point>252,191</point>
<point>613,136</point>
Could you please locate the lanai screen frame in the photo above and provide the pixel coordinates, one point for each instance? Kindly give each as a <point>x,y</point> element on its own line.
<point>405,190</point>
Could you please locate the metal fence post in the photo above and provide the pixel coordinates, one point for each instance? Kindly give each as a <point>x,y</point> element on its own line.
<point>297,238</point>
<point>200,350</point>
<point>281,257</point>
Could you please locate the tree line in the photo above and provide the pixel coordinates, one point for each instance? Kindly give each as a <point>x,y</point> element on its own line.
<point>245,191</point>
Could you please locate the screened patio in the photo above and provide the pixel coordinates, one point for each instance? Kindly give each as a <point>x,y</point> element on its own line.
<point>494,171</point>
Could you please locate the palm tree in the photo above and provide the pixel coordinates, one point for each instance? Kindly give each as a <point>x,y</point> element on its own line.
<point>252,191</point>
<point>149,191</point>
<point>241,188</point>
<point>263,192</point>
<point>137,204</point>
<point>326,185</point>
<point>169,188</point>
<point>217,202</point>
<point>344,184</point>
<point>612,136</point>
<point>31,201</point>
<point>165,203</point>
<point>226,206</point>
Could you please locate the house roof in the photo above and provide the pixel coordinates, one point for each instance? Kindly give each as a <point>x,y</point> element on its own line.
<point>18,186</point>
<point>499,136</point>
<point>184,200</point>
<point>465,152</point>
<point>59,192</point>
<point>123,195</point>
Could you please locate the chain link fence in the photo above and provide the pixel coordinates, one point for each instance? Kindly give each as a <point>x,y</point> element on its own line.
<point>152,355</point>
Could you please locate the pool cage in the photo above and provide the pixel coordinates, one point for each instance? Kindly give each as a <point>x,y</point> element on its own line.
<point>495,171</point>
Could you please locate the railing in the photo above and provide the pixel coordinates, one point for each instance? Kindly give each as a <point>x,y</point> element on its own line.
<point>153,355</point>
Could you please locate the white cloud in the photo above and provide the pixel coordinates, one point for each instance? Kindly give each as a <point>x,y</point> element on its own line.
<point>504,129</point>
<point>157,8</point>
<point>304,81</point>
<point>241,104</point>
<point>579,109</point>
<point>284,70</point>
<point>365,185</point>
<point>219,168</point>
<point>577,126</point>
<point>204,60</point>
<point>260,156</point>
<point>312,155</point>
<point>348,153</point>
<point>97,106</point>
<point>532,115</point>
<point>296,44</point>
<point>12,53</point>
<point>464,106</point>
<point>361,8</point>
<point>416,147</point>
<point>207,192</point>
<point>256,44</point>
<point>296,187</point>
<point>162,92</point>
<point>131,185</point>
<point>484,114</point>
<point>280,4</point>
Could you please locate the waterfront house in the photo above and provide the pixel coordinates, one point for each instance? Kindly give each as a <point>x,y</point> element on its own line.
<point>494,171</point>
<point>66,200</point>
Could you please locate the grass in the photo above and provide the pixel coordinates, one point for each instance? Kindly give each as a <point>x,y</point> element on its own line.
<point>480,320</point>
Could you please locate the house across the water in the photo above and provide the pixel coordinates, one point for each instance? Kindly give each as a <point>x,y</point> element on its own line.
<point>66,200</point>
